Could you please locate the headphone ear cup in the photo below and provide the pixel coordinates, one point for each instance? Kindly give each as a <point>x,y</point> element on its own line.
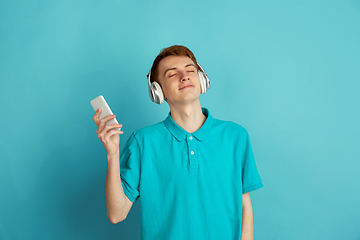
<point>157,93</point>
<point>202,82</point>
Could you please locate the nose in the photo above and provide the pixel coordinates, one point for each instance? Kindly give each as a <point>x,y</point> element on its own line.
<point>184,77</point>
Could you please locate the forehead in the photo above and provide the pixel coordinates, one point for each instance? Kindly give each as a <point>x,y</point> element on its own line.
<point>174,62</point>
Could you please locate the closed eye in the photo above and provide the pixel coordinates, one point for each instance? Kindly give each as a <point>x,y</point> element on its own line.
<point>191,68</point>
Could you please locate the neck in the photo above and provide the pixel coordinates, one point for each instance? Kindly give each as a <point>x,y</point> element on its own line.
<point>188,117</point>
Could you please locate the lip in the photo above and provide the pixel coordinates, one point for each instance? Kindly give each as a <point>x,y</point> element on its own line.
<point>186,86</point>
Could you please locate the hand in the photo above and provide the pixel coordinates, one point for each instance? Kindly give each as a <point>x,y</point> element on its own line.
<point>110,139</point>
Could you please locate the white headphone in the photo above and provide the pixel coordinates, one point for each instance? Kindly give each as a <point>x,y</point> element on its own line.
<point>157,96</point>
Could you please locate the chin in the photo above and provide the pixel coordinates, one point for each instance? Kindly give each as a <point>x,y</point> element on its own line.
<point>188,100</point>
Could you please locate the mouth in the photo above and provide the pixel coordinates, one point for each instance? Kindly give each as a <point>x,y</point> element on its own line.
<point>186,86</point>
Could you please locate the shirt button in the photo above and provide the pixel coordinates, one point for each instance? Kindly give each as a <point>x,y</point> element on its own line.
<point>192,152</point>
<point>190,137</point>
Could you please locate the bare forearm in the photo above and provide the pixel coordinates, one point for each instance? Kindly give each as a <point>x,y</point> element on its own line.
<point>114,193</point>
<point>247,224</point>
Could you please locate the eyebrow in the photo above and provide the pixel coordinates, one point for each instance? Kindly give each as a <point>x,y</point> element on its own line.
<point>190,64</point>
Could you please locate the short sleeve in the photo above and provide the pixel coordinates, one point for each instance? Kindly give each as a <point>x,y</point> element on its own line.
<point>250,176</point>
<point>130,166</point>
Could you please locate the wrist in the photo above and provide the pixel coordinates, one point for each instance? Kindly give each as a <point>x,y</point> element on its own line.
<point>113,156</point>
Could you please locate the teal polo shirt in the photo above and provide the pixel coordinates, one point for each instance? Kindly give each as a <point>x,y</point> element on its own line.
<point>190,185</point>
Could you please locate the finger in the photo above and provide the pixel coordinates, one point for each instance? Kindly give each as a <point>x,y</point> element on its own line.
<point>103,121</point>
<point>102,125</point>
<point>111,126</point>
<point>111,133</point>
<point>96,116</point>
<point>105,130</point>
<point>107,118</point>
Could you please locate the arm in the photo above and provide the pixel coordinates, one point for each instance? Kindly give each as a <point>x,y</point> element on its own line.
<point>247,218</point>
<point>117,204</point>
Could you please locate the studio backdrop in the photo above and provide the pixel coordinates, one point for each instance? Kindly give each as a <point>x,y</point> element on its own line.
<point>287,71</point>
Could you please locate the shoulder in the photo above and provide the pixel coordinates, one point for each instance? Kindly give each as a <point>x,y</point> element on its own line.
<point>151,130</point>
<point>144,135</point>
<point>229,127</point>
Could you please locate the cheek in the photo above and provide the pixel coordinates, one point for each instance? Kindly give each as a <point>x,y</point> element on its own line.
<point>167,89</point>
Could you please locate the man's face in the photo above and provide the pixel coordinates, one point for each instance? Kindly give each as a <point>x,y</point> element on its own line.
<point>179,79</point>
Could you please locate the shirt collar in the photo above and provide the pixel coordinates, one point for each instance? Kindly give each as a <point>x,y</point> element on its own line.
<point>180,134</point>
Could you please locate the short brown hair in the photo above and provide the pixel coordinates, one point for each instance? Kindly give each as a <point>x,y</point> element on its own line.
<point>175,50</point>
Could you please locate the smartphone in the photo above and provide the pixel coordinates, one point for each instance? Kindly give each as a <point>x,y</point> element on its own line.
<point>100,102</point>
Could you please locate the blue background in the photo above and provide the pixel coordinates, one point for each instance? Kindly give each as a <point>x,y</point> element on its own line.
<point>288,71</point>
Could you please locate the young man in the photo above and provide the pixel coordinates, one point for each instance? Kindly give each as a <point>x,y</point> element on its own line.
<point>194,173</point>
